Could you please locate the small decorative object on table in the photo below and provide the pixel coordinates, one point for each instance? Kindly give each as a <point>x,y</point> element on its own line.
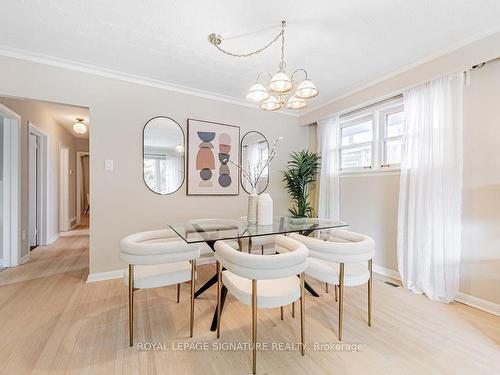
<point>265,210</point>
<point>252,175</point>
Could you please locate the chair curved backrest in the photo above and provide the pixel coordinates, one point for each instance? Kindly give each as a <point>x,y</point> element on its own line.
<point>341,246</point>
<point>156,247</point>
<point>261,267</point>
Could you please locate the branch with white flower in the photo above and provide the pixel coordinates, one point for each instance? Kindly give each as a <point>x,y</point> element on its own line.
<point>253,172</point>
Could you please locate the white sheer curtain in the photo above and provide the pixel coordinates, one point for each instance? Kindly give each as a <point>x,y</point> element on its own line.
<point>430,196</point>
<point>329,183</point>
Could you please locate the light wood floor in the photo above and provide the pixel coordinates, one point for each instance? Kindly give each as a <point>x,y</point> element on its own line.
<point>51,321</point>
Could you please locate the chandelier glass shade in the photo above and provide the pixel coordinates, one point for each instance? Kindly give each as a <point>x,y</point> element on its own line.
<point>306,90</point>
<point>79,127</point>
<point>270,104</point>
<point>280,83</point>
<point>296,103</point>
<point>257,93</point>
<point>281,90</point>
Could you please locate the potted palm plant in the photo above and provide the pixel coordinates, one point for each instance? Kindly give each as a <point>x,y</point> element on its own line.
<point>301,171</point>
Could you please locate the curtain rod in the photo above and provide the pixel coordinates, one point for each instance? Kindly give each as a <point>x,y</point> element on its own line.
<point>397,93</point>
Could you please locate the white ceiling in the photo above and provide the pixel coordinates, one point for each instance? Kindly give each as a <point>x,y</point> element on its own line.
<point>343,44</point>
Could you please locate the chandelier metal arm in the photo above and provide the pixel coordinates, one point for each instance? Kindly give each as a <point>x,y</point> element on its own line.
<point>261,73</point>
<point>216,40</point>
<point>299,70</point>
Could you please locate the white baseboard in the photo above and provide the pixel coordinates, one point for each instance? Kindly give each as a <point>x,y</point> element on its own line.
<point>101,276</point>
<point>386,272</point>
<point>478,303</point>
<point>53,238</point>
<point>24,259</point>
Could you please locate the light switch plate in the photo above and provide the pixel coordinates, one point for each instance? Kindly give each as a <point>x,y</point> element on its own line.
<point>108,165</point>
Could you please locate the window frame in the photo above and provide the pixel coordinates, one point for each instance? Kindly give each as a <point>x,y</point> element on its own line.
<point>356,120</point>
<point>383,114</point>
<point>378,114</point>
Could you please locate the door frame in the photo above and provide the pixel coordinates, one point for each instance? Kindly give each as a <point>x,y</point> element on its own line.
<point>43,187</point>
<point>11,236</point>
<point>64,219</point>
<point>79,180</point>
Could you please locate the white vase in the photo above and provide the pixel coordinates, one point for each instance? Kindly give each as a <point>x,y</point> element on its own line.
<point>265,210</point>
<point>252,207</point>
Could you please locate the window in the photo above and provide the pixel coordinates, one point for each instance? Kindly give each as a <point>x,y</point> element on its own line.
<point>357,143</point>
<point>393,137</point>
<point>372,137</point>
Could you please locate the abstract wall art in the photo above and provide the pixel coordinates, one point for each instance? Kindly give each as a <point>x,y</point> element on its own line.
<point>212,150</point>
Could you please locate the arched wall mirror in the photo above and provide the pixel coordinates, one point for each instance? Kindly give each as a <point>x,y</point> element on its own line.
<point>254,151</point>
<point>163,155</point>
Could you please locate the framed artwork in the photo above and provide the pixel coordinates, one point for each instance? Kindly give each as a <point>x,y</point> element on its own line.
<point>212,148</point>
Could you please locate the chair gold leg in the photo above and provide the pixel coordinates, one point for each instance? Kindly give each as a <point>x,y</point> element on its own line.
<point>249,245</point>
<point>281,311</point>
<point>131,303</point>
<point>370,290</point>
<point>341,300</point>
<point>302,312</point>
<point>178,293</point>
<point>193,287</point>
<point>293,309</point>
<point>326,287</point>
<point>219,287</point>
<point>336,293</point>
<point>254,324</point>
<point>262,249</point>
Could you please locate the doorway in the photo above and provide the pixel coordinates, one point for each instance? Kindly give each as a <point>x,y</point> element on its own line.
<point>11,252</point>
<point>64,220</point>
<point>34,208</point>
<point>37,187</point>
<point>82,187</point>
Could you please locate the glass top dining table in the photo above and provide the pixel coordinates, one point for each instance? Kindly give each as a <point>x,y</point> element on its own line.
<point>211,230</point>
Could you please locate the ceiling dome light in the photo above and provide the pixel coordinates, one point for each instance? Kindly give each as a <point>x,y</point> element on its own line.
<point>306,90</point>
<point>280,83</point>
<point>270,104</point>
<point>79,127</point>
<point>257,93</point>
<point>296,103</point>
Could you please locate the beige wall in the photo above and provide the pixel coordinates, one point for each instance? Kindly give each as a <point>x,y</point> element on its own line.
<point>38,114</point>
<point>369,204</point>
<point>480,266</point>
<point>121,202</point>
<point>81,144</point>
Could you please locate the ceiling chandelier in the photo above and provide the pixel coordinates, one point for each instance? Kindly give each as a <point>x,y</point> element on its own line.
<point>79,127</point>
<point>273,92</point>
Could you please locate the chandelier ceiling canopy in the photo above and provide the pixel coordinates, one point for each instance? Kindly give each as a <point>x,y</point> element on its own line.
<point>274,92</point>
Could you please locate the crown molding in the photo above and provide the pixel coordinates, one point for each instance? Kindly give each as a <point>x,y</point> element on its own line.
<point>405,68</point>
<point>126,77</point>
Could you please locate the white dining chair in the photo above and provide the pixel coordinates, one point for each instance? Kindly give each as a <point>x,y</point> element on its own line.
<point>266,281</point>
<point>343,259</point>
<point>155,259</point>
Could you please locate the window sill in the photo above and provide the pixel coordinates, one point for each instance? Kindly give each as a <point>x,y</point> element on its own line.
<point>394,171</point>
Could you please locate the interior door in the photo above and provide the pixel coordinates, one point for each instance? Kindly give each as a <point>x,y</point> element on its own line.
<point>33,161</point>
